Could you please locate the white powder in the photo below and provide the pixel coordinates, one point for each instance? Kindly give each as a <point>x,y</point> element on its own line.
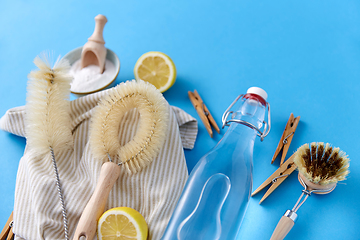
<point>89,78</point>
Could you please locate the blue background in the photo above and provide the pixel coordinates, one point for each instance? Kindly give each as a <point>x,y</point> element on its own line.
<point>305,54</point>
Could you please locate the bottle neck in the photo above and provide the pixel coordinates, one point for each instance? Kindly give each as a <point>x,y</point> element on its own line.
<point>251,110</point>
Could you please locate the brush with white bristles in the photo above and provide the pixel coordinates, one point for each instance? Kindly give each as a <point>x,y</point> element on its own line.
<point>320,168</point>
<point>48,106</point>
<point>47,119</point>
<point>134,155</point>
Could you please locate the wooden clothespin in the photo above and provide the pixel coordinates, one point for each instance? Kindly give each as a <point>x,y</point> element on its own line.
<point>286,138</point>
<point>203,112</point>
<point>277,178</point>
<point>7,233</point>
<point>286,168</point>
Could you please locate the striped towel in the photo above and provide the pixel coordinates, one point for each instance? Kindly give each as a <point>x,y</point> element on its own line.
<point>153,192</point>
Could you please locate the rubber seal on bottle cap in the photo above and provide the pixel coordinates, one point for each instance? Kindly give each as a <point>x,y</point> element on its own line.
<point>258,91</point>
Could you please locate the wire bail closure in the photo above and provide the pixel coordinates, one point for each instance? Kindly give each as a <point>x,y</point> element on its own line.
<point>261,134</point>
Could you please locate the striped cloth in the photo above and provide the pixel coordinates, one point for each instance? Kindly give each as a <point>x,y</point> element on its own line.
<point>153,192</point>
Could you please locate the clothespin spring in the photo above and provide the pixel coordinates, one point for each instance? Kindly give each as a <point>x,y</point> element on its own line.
<point>205,112</point>
<point>283,175</point>
<point>276,178</point>
<point>285,141</point>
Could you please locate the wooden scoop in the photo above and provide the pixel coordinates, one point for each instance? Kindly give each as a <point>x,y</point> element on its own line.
<point>94,51</point>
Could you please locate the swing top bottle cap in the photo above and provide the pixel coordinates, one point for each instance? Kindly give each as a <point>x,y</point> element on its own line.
<point>258,91</point>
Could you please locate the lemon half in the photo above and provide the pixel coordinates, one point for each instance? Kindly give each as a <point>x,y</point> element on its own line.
<point>122,223</point>
<point>156,68</point>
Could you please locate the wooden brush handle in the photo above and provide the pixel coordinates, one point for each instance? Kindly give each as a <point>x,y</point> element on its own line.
<point>95,207</point>
<point>284,225</point>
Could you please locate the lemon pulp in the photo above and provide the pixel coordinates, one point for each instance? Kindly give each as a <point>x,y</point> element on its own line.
<point>156,68</point>
<point>122,223</point>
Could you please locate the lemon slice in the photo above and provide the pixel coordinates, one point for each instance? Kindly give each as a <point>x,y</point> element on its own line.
<point>122,223</point>
<point>156,68</point>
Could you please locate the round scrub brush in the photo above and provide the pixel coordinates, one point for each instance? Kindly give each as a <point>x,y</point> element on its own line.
<point>47,121</point>
<point>134,155</point>
<point>320,168</point>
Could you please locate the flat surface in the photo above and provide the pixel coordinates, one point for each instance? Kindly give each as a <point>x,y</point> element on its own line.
<point>305,54</point>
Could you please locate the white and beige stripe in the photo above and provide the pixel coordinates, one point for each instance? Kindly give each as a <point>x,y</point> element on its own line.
<point>154,191</point>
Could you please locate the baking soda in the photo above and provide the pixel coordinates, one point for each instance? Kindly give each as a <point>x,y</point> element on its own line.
<point>89,78</point>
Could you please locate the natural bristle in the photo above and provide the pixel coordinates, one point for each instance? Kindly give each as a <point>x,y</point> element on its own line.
<point>322,164</point>
<point>150,134</point>
<point>47,108</point>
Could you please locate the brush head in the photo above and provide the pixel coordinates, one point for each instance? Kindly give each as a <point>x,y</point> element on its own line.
<point>47,121</point>
<point>151,130</point>
<point>321,163</point>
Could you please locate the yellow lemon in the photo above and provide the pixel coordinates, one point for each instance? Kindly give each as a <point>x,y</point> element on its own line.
<point>122,223</point>
<point>156,68</point>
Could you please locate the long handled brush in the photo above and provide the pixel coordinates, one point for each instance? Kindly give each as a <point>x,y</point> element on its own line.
<point>47,121</point>
<point>320,168</point>
<point>134,155</point>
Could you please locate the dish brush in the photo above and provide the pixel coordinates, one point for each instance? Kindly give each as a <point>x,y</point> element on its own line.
<point>134,155</point>
<point>320,168</point>
<point>47,121</point>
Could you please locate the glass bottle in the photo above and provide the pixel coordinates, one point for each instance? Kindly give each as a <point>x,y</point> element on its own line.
<point>216,195</point>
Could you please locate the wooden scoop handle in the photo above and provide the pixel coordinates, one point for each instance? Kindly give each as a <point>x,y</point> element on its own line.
<point>284,225</point>
<point>95,207</point>
<point>97,36</point>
